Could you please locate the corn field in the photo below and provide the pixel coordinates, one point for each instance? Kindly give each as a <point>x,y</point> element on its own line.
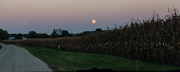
<point>155,40</point>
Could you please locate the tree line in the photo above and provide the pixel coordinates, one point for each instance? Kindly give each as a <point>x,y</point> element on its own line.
<point>55,34</point>
<point>33,34</point>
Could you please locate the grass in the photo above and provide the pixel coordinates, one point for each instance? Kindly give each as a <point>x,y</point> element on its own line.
<point>72,61</point>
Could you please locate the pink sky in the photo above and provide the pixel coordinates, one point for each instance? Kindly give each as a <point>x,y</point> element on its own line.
<point>42,16</point>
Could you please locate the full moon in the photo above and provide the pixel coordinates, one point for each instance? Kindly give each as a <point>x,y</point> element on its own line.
<point>93,21</point>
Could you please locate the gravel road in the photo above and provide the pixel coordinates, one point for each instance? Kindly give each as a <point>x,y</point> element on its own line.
<point>17,59</point>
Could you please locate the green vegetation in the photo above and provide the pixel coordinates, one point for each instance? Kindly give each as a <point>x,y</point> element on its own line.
<point>72,61</point>
<point>3,34</point>
<point>19,36</point>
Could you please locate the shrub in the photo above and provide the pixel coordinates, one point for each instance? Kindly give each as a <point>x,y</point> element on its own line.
<point>3,34</point>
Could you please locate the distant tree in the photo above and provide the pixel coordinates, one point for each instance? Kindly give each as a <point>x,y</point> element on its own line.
<point>70,35</point>
<point>25,35</point>
<point>86,32</point>
<point>32,34</point>
<point>18,36</point>
<point>3,34</point>
<point>99,30</point>
<point>6,35</point>
<point>58,31</point>
<point>54,34</point>
<point>83,33</point>
<point>12,35</point>
<point>65,33</point>
<point>43,35</point>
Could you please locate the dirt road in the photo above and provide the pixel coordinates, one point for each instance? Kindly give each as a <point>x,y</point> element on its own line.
<point>17,59</point>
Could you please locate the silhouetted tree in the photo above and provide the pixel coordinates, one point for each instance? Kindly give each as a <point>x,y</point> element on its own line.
<point>86,32</point>
<point>99,30</point>
<point>83,33</point>
<point>70,35</point>
<point>65,33</point>
<point>3,34</point>
<point>32,34</point>
<point>18,36</point>
<point>54,34</point>
<point>12,35</point>
<point>25,35</point>
<point>43,35</point>
<point>58,31</point>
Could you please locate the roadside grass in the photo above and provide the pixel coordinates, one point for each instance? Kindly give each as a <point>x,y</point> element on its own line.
<point>60,60</point>
<point>3,43</point>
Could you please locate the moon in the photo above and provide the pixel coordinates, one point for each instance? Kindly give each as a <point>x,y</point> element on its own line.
<point>93,21</point>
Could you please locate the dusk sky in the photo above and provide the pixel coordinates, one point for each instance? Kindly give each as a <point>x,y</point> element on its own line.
<point>42,16</point>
